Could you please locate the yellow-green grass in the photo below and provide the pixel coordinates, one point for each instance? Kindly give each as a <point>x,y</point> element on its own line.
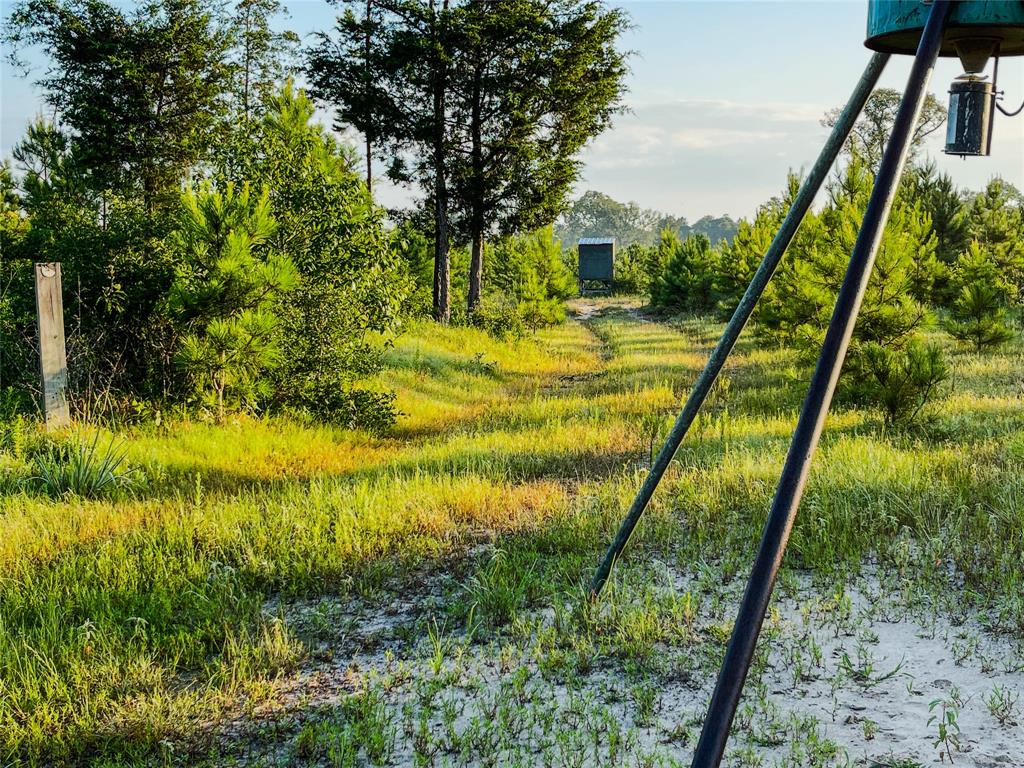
<point>133,621</point>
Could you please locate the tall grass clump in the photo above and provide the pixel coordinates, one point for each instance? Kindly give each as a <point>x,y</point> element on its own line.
<point>83,469</point>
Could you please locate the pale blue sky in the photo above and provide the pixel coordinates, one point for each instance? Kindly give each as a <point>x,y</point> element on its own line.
<point>725,98</point>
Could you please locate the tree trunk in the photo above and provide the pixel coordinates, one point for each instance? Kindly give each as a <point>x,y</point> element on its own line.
<point>442,261</point>
<point>476,264</point>
<point>247,63</point>
<point>442,264</point>
<point>369,167</point>
<point>367,76</point>
<point>219,383</point>
<point>476,269</point>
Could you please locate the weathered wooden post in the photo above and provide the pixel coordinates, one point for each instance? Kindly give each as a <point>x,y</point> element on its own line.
<point>53,361</point>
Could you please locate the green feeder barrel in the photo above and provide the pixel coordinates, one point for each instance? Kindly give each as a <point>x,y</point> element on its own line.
<point>895,26</point>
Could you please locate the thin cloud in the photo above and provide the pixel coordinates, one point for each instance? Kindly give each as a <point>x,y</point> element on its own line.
<point>709,138</point>
<point>783,112</point>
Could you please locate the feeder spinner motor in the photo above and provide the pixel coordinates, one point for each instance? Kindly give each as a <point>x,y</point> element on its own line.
<point>972,99</point>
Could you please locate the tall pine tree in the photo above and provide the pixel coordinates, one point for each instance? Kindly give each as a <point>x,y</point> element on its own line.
<point>141,91</point>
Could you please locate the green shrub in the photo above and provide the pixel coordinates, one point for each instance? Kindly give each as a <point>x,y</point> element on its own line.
<point>687,281</point>
<point>978,317</point>
<point>739,259</point>
<point>115,274</point>
<point>631,269</point>
<point>656,258</point>
<point>500,316</point>
<point>978,266</point>
<point>995,218</point>
<point>224,291</point>
<point>351,290</point>
<point>529,281</point>
<point>900,381</point>
<point>353,408</point>
<point>798,303</point>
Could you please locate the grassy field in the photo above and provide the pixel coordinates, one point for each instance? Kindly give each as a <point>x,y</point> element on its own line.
<point>272,593</point>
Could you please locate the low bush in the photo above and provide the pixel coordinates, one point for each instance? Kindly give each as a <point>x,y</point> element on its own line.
<point>978,318</point>
<point>900,381</point>
<point>500,316</point>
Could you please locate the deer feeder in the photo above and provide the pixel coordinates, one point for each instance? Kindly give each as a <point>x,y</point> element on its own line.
<point>974,31</point>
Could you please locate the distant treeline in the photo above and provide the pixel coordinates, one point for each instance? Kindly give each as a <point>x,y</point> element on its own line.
<point>595,214</point>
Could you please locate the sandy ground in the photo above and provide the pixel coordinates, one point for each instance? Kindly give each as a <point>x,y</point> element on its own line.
<point>873,686</point>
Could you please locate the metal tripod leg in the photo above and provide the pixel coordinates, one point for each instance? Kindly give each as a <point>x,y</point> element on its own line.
<point>764,272</point>
<point>819,396</point>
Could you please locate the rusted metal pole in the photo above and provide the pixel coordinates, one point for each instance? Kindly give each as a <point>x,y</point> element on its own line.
<point>752,610</point>
<point>808,190</point>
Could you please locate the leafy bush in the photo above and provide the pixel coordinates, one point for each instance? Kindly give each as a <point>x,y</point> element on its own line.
<point>354,408</point>
<point>227,298</point>
<point>82,469</point>
<point>115,275</point>
<point>900,381</point>
<point>500,316</point>
<point>350,290</point>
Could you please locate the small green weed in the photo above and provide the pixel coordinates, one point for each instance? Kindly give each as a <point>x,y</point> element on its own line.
<point>1002,704</point>
<point>944,716</point>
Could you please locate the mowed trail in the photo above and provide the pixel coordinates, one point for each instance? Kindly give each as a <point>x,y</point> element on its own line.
<point>485,662</point>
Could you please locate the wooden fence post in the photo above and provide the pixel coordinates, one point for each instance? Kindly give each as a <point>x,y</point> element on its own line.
<point>53,361</point>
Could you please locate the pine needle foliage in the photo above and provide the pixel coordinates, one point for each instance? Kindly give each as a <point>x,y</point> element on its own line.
<point>224,293</point>
<point>978,318</point>
<point>901,381</point>
<point>798,303</point>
